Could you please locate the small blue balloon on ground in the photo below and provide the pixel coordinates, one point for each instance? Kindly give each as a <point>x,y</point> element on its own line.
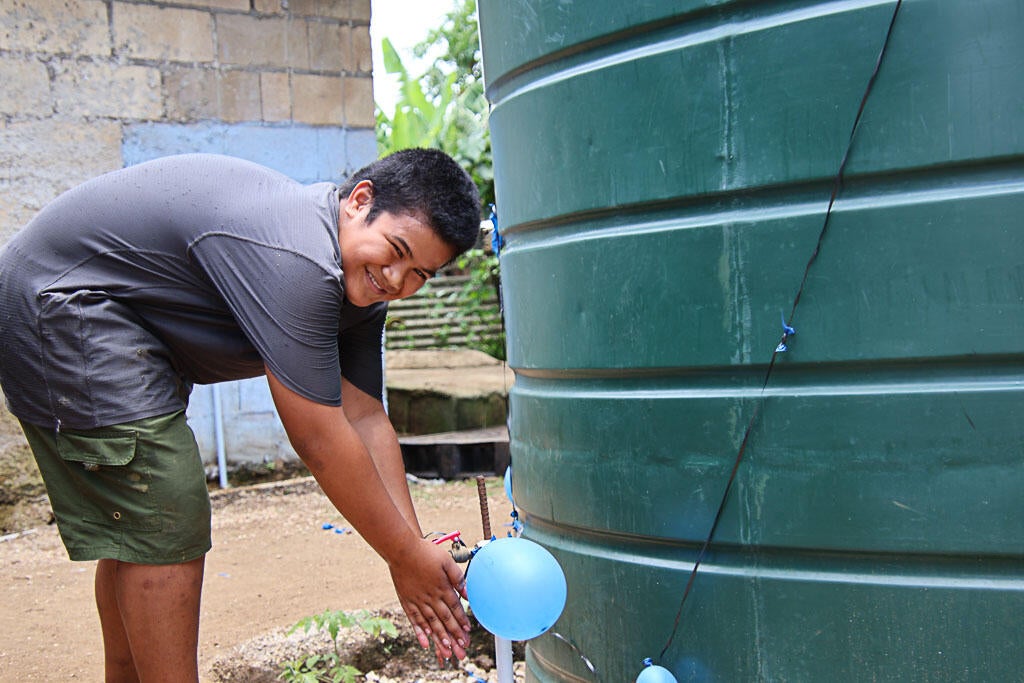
<point>516,588</point>
<point>653,673</point>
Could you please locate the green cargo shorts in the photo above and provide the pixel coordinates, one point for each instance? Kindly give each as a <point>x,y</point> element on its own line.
<point>134,492</point>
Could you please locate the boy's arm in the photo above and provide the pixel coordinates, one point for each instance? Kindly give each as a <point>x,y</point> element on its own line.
<point>426,577</point>
<point>366,414</point>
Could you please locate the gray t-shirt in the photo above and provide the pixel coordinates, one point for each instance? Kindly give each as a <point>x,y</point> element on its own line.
<point>126,290</point>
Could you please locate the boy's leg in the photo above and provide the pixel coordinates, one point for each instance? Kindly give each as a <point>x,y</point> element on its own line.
<point>150,620</point>
<point>118,662</point>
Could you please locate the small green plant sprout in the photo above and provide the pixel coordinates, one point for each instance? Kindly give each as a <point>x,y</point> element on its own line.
<point>323,668</point>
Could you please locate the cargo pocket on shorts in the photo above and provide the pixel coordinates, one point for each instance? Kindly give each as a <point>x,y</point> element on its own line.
<point>113,481</point>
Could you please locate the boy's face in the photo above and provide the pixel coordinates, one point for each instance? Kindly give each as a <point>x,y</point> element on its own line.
<point>387,259</point>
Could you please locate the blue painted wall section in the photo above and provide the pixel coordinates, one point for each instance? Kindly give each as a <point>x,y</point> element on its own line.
<point>308,154</point>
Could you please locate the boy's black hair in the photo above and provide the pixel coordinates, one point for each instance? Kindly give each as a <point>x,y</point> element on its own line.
<point>425,182</point>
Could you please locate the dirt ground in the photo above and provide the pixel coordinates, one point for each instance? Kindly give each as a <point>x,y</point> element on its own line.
<point>272,564</point>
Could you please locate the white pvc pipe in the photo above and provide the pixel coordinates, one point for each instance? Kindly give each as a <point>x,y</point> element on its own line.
<point>503,658</point>
<point>218,435</point>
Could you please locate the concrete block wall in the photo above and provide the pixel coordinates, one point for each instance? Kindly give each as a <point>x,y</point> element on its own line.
<point>93,85</point>
<point>89,86</point>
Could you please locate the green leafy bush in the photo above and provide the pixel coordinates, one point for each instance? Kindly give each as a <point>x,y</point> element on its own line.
<point>318,668</point>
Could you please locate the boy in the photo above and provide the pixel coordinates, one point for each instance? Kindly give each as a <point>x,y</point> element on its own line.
<point>126,290</point>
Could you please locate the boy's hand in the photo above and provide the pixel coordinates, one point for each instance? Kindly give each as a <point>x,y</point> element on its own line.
<point>429,583</point>
<point>426,578</point>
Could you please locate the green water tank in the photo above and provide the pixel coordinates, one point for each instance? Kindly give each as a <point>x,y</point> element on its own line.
<point>663,170</point>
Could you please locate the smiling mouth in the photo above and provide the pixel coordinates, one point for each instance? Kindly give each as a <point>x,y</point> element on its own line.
<point>375,284</point>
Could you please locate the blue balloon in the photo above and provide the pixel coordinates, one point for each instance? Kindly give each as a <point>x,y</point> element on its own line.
<point>516,588</point>
<point>508,484</point>
<point>653,673</point>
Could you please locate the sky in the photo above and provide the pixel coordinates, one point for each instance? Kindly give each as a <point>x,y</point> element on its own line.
<point>405,23</point>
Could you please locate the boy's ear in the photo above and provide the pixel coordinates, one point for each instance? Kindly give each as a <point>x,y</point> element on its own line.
<point>361,197</point>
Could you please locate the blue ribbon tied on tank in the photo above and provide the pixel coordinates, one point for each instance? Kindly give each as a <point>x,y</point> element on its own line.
<point>787,332</point>
<point>497,241</point>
